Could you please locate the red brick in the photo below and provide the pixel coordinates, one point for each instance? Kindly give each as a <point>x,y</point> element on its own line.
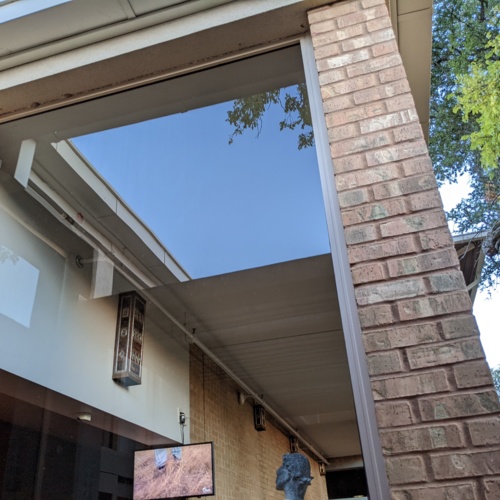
<point>418,166</point>
<point>359,144</point>
<point>406,470</point>
<point>390,414</point>
<point>341,60</point>
<point>432,240</point>
<point>425,200</point>
<point>442,492</point>
<point>424,262</point>
<point>492,488</point>
<point>360,17</point>
<point>368,40</point>
<point>444,353</point>
<point>381,92</point>
<point>472,374</point>
<point>390,291</point>
<point>360,234</point>
<point>331,12</point>
<point>422,438</point>
<point>391,74</point>
<point>463,404</point>
<point>342,132</point>
<point>335,104</point>
<point>375,316</point>
<point>346,164</point>
<point>371,66</point>
<point>413,223</point>
<point>354,114</point>
<point>384,48</point>
<point>406,186</point>
<point>402,100</point>
<point>332,49</point>
<point>387,121</point>
<point>374,212</point>
<point>410,385</point>
<point>323,26</point>
<point>395,338</point>
<point>365,177</point>
<point>354,197</point>
<point>485,431</point>
<point>396,153</point>
<point>368,273</point>
<point>408,132</point>
<point>466,464</point>
<point>353,84</point>
<point>382,249</point>
<point>337,35</point>
<point>378,24</point>
<point>449,281</point>
<point>384,362</point>
<point>387,190</point>
<point>433,306</point>
<point>328,78</point>
<point>459,326</point>
<point>418,183</point>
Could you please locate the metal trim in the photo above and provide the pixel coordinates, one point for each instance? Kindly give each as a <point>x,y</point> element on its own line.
<point>363,399</point>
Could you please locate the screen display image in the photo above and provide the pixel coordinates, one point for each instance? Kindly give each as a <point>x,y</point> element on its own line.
<point>180,471</point>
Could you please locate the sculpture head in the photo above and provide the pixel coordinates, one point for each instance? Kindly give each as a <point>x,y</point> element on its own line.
<point>294,476</point>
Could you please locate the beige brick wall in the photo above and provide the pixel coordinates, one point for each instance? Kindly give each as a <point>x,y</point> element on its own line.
<point>437,412</point>
<point>245,460</point>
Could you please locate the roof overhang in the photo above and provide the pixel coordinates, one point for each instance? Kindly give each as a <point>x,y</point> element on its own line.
<point>278,329</point>
<point>412,23</point>
<point>470,253</point>
<point>71,58</point>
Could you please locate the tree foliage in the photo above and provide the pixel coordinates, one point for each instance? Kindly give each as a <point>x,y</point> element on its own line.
<point>464,135</point>
<point>248,113</point>
<point>462,60</point>
<point>478,96</point>
<point>495,373</point>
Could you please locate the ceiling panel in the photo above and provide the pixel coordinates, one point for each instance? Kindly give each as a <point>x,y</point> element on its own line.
<point>278,329</point>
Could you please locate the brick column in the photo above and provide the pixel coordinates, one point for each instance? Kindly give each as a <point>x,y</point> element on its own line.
<point>437,411</point>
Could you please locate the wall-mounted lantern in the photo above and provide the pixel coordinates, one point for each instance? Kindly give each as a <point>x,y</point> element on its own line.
<point>294,444</point>
<point>259,418</point>
<point>129,342</point>
<point>322,468</point>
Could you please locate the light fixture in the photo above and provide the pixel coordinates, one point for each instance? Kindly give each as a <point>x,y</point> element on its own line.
<point>129,341</point>
<point>294,444</point>
<point>241,398</point>
<point>84,416</point>
<point>259,418</point>
<point>322,468</point>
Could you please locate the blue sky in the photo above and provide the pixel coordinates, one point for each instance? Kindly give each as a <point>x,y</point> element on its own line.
<point>220,208</point>
<point>217,207</point>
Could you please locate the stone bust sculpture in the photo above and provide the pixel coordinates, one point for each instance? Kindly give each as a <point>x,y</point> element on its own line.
<point>294,476</point>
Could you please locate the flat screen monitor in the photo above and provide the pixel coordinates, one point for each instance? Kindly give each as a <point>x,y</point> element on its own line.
<point>174,472</point>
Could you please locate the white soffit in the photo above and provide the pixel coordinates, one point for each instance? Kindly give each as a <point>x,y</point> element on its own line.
<point>413,27</point>
<point>278,328</point>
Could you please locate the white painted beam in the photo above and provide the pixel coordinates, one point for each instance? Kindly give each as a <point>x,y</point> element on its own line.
<point>25,161</point>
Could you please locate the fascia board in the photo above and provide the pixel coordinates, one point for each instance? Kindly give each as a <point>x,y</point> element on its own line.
<point>129,36</point>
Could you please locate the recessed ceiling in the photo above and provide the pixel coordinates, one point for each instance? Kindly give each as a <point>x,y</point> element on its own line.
<point>278,329</point>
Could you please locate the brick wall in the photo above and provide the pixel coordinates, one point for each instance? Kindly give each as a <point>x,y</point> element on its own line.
<point>437,411</point>
<point>245,460</point>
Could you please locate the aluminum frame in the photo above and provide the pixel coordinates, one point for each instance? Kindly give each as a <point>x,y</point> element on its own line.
<point>375,471</point>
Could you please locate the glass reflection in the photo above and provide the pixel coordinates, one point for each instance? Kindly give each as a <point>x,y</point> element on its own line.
<point>18,283</point>
<point>218,202</point>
